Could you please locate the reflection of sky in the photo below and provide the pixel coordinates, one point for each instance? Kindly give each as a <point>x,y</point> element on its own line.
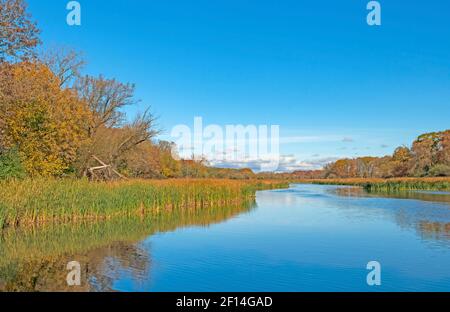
<point>305,238</point>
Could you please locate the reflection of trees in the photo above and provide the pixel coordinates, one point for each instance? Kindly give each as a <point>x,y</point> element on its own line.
<point>429,222</point>
<point>434,230</point>
<point>106,264</point>
<point>418,195</point>
<point>35,260</point>
<point>100,268</point>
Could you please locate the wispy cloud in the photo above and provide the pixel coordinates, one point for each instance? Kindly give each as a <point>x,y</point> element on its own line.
<point>348,140</point>
<point>309,139</point>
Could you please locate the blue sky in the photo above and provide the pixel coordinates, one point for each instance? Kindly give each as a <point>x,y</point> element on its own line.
<point>313,67</point>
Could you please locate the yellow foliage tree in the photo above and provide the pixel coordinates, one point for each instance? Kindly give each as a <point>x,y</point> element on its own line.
<point>46,123</point>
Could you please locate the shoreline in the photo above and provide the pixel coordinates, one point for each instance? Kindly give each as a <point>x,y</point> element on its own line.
<point>392,184</point>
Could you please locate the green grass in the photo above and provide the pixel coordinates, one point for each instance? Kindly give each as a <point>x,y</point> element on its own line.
<point>408,186</point>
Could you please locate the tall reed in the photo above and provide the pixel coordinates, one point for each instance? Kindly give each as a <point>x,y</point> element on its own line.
<point>40,201</point>
<point>395,184</point>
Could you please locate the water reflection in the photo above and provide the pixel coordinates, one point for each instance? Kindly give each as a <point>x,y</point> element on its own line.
<point>305,238</point>
<point>36,259</point>
<point>431,196</point>
<point>431,222</point>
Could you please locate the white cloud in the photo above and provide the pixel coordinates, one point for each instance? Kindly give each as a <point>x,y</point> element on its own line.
<point>287,163</point>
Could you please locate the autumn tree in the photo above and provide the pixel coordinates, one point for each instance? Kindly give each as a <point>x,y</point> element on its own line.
<point>426,150</point>
<point>119,146</point>
<point>46,124</point>
<point>443,153</point>
<point>111,137</point>
<point>105,99</point>
<point>141,130</point>
<point>170,167</point>
<point>383,167</point>
<point>143,161</point>
<point>442,165</point>
<point>365,167</point>
<point>402,162</point>
<point>19,35</point>
<point>343,168</point>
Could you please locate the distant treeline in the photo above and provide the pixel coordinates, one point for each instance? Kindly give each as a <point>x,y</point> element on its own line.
<point>56,122</point>
<point>429,156</point>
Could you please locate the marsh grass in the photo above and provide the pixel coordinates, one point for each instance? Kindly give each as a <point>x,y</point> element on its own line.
<point>42,201</point>
<point>396,184</point>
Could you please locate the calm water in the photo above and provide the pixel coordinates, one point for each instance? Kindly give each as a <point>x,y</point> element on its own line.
<point>306,238</point>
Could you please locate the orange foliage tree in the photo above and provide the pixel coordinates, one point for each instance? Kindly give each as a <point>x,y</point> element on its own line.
<point>18,33</point>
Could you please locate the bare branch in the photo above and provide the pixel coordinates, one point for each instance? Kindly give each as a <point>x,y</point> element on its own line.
<point>105,98</point>
<point>66,64</point>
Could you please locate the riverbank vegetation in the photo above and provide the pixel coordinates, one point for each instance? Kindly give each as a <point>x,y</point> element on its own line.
<point>63,132</point>
<point>395,184</point>
<point>43,201</point>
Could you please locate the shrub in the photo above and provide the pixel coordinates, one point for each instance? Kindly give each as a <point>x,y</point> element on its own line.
<point>440,171</point>
<point>11,165</point>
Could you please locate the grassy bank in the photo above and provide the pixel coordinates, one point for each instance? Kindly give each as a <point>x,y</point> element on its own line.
<point>40,201</point>
<point>397,184</point>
